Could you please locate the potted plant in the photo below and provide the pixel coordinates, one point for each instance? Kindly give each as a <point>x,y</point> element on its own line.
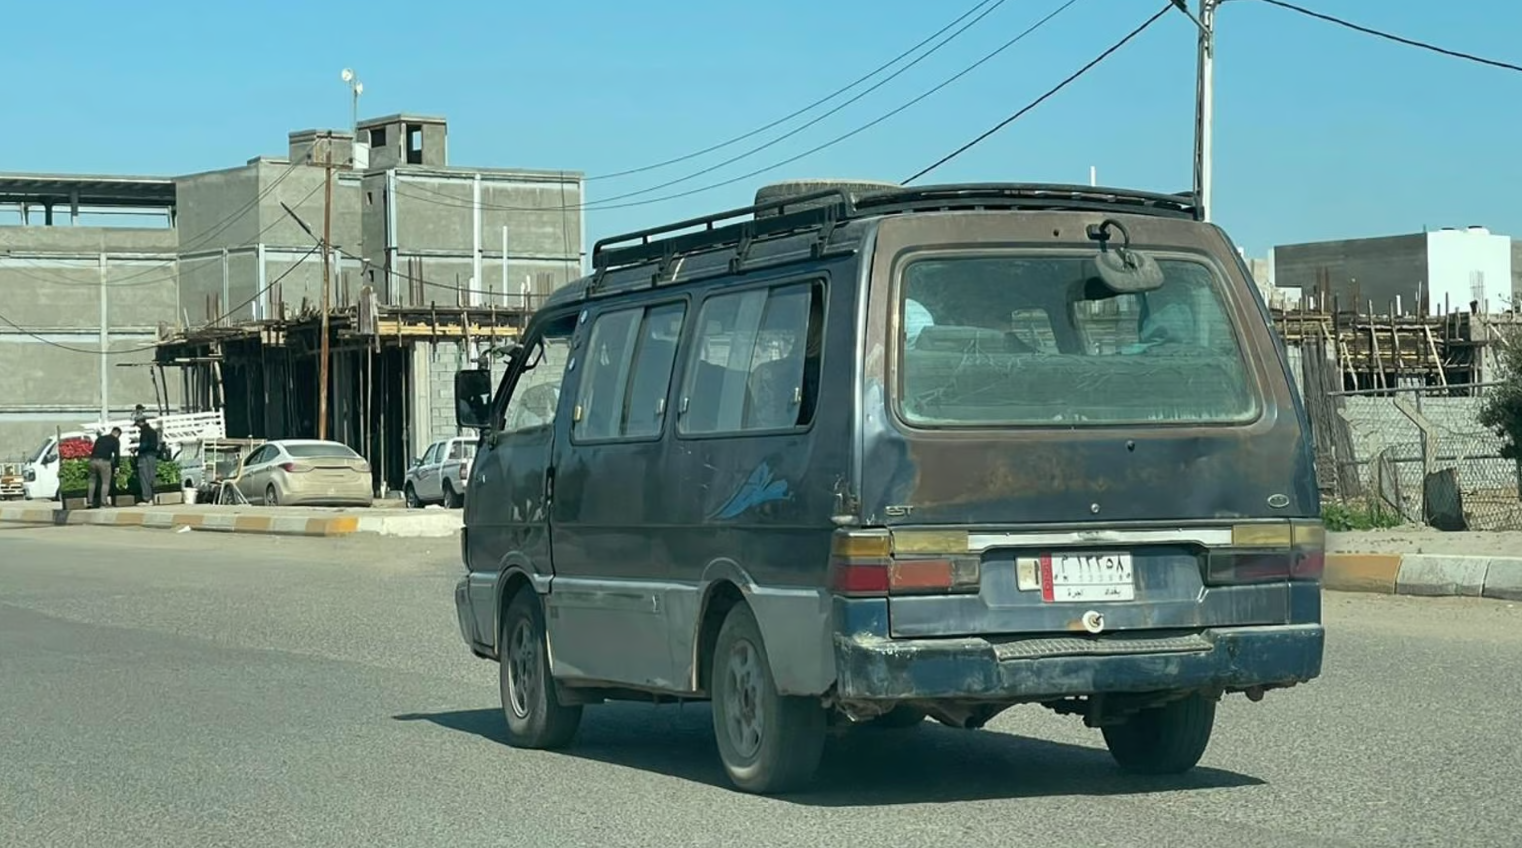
<point>74,471</point>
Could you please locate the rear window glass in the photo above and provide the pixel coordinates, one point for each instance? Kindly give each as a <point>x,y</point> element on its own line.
<point>1026,341</point>
<point>324,449</point>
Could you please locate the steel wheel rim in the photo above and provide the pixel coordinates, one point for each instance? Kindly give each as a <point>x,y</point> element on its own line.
<point>744,715</point>
<point>522,661</point>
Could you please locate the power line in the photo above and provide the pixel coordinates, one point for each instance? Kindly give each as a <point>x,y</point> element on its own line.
<point>1039,100</point>
<point>796,130</point>
<point>784,119</point>
<point>1409,42</point>
<point>599,205</point>
<point>127,351</point>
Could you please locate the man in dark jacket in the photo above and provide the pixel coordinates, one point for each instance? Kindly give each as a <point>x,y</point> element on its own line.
<point>147,459</point>
<point>104,457</point>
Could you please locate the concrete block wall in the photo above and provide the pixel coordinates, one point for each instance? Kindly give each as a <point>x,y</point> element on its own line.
<point>433,370</point>
<point>1376,425</point>
<point>53,374</point>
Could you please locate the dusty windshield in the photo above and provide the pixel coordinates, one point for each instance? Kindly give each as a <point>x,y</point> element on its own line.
<point>1030,340</point>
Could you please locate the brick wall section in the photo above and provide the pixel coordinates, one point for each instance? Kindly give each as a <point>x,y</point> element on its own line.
<point>443,361</point>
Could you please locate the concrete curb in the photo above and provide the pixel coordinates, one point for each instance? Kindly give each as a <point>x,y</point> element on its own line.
<point>278,525</point>
<point>1425,575</point>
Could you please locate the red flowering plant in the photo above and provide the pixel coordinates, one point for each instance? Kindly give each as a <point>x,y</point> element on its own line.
<point>75,448</point>
<point>74,467</point>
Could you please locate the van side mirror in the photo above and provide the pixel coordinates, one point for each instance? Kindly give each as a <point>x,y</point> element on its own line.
<point>472,398</point>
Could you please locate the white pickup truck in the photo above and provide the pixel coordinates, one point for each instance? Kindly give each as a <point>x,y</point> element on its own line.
<point>40,473</point>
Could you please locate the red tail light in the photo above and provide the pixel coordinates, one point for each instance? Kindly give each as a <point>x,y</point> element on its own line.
<point>1265,553</point>
<point>859,564</point>
<point>293,467</point>
<point>863,566</point>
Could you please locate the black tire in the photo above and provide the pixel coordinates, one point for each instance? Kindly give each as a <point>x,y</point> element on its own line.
<point>271,497</point>
<point>1163,740</point>
<point>535,716</point>
<point>788,732</point>
<point>412,499</point>
<point>900,717</point>
<point>451,499</point>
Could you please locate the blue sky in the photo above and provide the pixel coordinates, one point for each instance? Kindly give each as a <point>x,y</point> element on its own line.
<point>1321,132</point>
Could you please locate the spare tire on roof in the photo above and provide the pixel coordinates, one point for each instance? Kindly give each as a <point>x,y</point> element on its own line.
<point>794,188</point>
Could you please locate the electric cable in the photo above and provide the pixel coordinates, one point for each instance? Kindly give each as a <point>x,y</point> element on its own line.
<point>1039,100</point>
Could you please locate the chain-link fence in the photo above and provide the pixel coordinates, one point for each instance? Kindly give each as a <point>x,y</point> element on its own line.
<point>1422,452</point>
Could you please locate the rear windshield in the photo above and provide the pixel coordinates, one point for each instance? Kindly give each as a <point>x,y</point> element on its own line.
<point>1014,340</point>
<point>321,450</point>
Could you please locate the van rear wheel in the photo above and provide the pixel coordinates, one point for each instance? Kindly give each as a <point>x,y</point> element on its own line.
<point>535,716</point>
<point>1169,739</point>
<point>768,742</point>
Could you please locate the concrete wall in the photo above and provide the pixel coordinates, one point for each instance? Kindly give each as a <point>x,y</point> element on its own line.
<point>434,218</point>
<point>52,372</point>
<point>88,241</point>
<point>432,401</point>
<point>1377,269</point>
<point>1469,265</point>
<point>1516,273</point>
<point>214,209</point>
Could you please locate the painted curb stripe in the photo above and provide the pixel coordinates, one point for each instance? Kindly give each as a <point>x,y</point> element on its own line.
<point>257,524</point>
<point>1362,573</point>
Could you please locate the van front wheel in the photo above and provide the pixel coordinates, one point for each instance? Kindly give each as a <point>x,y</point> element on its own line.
<point>535,716</point>
<point>1163,740</point>
<point>768,742</point>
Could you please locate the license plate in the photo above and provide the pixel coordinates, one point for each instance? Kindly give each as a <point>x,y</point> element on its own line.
<point>1078,578</point>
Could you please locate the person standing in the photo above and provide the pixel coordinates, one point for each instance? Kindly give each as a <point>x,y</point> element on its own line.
<point>105,455</point>
<point>147,459</point>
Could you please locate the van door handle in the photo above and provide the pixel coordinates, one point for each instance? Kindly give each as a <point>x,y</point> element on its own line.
<point>549,484</point>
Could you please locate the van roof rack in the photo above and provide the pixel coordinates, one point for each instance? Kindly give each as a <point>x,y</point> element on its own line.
<point>1049,196</point>
<point>830,207</point>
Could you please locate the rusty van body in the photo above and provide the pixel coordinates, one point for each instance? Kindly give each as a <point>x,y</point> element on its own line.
<point>866,457</point>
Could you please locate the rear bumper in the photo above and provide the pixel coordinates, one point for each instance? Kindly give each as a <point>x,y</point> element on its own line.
<point>1235,658</point>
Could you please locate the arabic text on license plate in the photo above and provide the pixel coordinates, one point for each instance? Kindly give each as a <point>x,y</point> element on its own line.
<point>1087,577</point>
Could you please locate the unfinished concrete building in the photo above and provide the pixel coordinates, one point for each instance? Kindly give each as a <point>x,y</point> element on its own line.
<point>82,300</point>
<point>1431,273</point>
<point>428,259</point>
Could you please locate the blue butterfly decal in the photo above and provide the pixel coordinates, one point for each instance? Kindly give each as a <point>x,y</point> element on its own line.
<point>758,489</point>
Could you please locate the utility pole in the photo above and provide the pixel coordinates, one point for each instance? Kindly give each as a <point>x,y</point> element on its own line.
<point>327,287</point>
<point>1204,143</point>
<point>1204,99</point>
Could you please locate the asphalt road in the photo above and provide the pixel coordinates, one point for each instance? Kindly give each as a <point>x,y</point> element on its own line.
<point>163,689</point>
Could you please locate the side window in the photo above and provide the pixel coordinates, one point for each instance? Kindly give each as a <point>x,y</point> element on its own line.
<point>536,394</point>
<point>456,450</point>
<point>432,456</point>
<point>755,362</point>
<point>259,455</point>
<point>628,373</point>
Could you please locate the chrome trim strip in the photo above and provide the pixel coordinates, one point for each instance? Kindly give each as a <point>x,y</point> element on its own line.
<point>1207,536</point>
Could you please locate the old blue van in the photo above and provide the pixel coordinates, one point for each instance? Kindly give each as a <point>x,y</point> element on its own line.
<point>867,455</point>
